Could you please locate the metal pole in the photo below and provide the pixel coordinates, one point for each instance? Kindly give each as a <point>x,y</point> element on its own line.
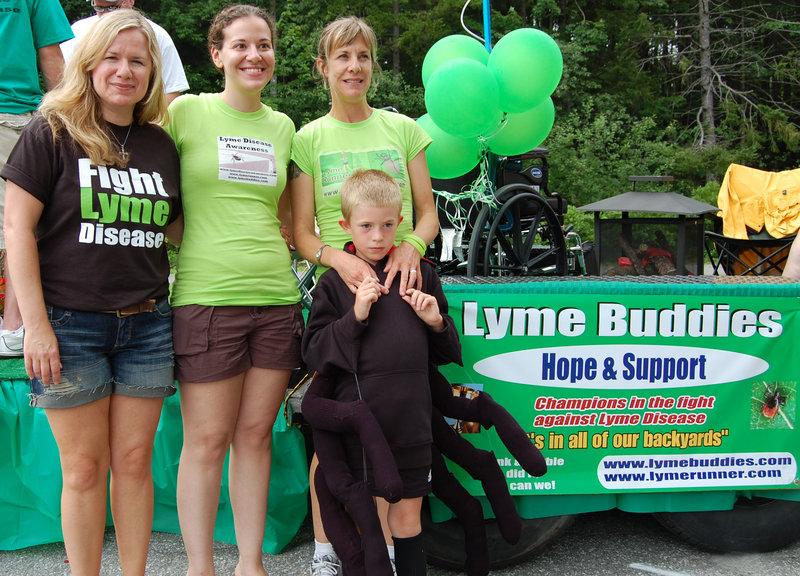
<point>487,42</point>
<point>487,26</point>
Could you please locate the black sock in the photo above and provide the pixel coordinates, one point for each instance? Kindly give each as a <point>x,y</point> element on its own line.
<point>409,556</point>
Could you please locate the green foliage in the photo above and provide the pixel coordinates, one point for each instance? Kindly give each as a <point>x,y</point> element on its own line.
<point>694,168</point>
<point>707,193</point>
<point>394,91</point>
<point>187,22</point>
<point>582,223</point>
<point>781,134</point>
<point>543,13</point>
<point>578,80</point>
<point>296,91</point>
<point>628,99</point>
<point>76,9</point>
<point>301,104</point>
<point>504,23</point>
<point>595,148</point>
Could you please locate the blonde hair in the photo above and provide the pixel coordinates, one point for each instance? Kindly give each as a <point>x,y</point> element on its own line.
<point>74,106</point>
<point>226,16</point>
<point>370,188</point>
<point>343,32</point>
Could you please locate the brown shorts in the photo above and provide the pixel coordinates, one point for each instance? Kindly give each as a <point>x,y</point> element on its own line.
<point>217,342</point>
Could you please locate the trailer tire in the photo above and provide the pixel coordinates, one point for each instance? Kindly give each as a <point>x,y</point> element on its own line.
<point>753,525</point>
<point>444,541</point>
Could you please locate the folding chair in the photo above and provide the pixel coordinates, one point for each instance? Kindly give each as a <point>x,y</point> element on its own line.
<point>760,213</point>
<point>759,255</point>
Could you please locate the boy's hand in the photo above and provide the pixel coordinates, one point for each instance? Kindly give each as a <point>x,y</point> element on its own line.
<point>367,294</point>
<point>426,307</point>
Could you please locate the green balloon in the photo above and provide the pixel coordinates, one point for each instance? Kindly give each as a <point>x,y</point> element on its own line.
<point>525,131</point>
<point>450,47</point>
<point>462,97</point>
<point>449,156</point>
<point>527,64</point>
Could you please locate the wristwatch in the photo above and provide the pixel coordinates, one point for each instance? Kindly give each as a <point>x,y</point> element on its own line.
<point>318,255</point>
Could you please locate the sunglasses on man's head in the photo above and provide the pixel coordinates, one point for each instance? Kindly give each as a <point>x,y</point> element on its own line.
<point>102,9</point>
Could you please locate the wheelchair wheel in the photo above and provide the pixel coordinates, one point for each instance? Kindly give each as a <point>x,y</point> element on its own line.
<point>522,237</point>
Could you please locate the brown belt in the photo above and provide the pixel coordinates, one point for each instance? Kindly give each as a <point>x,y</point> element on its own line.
<point>146,306</point>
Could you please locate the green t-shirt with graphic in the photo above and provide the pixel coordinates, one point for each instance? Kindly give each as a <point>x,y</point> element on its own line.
<point>329,150</point>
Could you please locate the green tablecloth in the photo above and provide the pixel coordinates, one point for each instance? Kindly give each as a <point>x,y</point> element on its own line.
<point>30,474</point>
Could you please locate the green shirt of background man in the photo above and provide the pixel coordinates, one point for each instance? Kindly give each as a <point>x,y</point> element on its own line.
<point>26,26</point>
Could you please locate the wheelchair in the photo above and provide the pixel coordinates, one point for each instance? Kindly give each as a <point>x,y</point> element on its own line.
<point>515,230</point>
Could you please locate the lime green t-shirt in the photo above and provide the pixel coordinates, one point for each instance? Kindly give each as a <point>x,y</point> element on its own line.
<point>233,172</point>
<point>329,150</point>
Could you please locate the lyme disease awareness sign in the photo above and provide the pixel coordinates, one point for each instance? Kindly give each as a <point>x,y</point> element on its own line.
<point>636,387</point>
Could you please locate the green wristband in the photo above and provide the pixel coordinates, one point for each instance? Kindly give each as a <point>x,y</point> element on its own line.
<point>417,243</point>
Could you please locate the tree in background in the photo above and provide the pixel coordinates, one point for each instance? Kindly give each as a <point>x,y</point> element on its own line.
<point>683,87</point>
<point>735,64</point>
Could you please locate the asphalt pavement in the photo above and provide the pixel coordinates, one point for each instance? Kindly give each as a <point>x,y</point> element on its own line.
<point>609,543</point>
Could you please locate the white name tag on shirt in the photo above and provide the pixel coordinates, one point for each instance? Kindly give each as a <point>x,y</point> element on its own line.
<point>247,160</point>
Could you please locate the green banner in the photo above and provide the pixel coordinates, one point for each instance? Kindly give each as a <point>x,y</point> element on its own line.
<point>629,388</point>
<point>30,474</point>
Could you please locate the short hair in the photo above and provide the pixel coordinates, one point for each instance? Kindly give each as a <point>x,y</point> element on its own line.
<point>370,188</point>
<point>343,32</point>
<point>226,16</point>
<point>74,105</point>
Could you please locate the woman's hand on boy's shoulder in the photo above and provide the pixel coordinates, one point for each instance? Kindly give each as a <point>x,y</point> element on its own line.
<point>405,260</point>
<point>351,269</point>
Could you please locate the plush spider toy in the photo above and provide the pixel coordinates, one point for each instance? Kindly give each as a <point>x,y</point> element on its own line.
<point>347,509</point>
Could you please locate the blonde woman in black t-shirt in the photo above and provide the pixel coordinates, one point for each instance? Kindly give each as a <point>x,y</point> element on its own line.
<point>91,187</point>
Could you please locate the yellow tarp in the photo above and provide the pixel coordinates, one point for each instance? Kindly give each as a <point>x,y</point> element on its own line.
<point>756,199</point>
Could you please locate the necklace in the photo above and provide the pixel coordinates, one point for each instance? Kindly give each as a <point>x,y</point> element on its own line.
<point>121,145</point>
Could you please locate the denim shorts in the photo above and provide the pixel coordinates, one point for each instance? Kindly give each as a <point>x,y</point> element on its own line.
<point>102,354</point>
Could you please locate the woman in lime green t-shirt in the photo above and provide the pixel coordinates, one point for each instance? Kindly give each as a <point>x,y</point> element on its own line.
<point>237,321</point>
<point>354,135</point>
<point>351,136</point>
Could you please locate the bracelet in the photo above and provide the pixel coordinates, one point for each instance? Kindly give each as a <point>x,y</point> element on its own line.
<point>318,255</point>
<point>417,243</point>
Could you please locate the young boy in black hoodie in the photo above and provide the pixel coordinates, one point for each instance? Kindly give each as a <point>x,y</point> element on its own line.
<point>377,345</point>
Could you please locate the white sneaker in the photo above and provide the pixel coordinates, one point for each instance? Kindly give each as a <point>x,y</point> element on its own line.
<point>325,566</point>
<point>11,342</point>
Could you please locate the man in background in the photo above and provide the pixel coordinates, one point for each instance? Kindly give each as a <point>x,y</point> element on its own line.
<point>31,31</point>
<point>172,72</point>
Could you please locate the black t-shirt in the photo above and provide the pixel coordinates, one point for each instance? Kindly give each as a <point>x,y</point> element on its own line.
<point>101,233</point>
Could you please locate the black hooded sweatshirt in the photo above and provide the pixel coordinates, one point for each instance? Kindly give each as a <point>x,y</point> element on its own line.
<point>383,360</point>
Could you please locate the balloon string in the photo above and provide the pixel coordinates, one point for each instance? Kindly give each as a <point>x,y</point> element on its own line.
<point>464,25</point>
<point>462,207</point>
<point>500,126</point>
